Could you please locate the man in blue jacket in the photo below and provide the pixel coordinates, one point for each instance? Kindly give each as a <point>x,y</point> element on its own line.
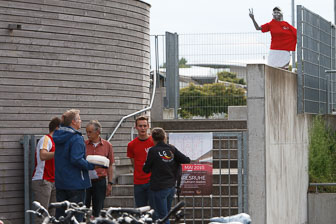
<point>71,167</point>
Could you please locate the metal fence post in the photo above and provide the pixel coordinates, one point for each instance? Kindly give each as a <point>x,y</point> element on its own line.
<point>172,72</point>
<point>300,101</point>
<point>240,182</point>
<point>27,199</point>
<point>245,158</point>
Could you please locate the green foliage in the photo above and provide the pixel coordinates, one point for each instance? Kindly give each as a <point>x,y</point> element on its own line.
<point>230,77</point>
<point>209,99</point>
<point>290,67</point>
<point>182,64</point>
<point>322,153</point>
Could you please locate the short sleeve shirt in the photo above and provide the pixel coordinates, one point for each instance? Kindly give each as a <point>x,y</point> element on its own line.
<point>104,148</point>
<point>283,34</point>
<point>44,169</point>
<point>137,150</point>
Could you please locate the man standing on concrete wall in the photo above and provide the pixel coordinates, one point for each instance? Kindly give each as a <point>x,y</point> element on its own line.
<point>284,38</point>
<point>137,151</point>
<point>43,181</point>
<point>95,145</point>
<point>71,167</point>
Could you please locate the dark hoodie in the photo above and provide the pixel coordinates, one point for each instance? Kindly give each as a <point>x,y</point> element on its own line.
<point>163,161</point>
<point>71,167</point>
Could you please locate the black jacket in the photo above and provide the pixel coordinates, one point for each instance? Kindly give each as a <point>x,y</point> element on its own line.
<point>163,161</point>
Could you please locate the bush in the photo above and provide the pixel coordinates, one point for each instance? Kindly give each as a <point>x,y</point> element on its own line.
<point>322,154</point>
<point>230,77</point>
<point>209,99</point>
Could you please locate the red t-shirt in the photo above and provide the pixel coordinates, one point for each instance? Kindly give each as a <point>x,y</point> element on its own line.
<point>138,149</point>
<point>283,35</point>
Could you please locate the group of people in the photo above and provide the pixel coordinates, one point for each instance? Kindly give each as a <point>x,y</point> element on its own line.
<point>61,169</point>
<point>156,165</point>
<point>63,173</point>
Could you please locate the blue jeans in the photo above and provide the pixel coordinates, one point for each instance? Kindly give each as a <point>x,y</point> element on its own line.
<point>97,194</point>
<point>162,202</point>
<point>141,195</point>
<point>71,196</point>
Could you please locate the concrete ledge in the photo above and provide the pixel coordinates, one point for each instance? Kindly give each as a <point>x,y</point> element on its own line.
<point>322,208</point>
<point>237,113</point>
<point>201,125</point>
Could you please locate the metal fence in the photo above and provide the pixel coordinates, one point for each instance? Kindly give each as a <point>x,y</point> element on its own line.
<point>201,58</point>
<point>214,50</point>
<point>229,189</point>
<point>215,107</point>
<point>315,55</point>
<point>224,49</point>
<point>29,144</point>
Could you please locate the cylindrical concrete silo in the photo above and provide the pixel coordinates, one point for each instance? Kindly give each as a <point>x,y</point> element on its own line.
<point>91,55</point>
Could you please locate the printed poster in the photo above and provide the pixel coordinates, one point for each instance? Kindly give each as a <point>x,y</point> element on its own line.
<point>197,176</point>
<point>197,146</point>
<point>196,179</point>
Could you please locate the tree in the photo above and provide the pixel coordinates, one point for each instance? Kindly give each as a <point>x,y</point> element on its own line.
<point>182,64</point>
<point>209,99</point>
<point>230,77</point>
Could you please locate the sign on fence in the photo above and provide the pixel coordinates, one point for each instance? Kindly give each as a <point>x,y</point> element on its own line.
<point>196,177</point>
<point>195,145</point>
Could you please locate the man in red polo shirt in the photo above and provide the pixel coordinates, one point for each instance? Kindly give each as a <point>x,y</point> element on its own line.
<point>95,145</point>
<point>284,38</point>
<point>137,151</point>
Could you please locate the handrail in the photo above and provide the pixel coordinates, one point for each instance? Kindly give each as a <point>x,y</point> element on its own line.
<point>137,112</point>
<point>151,103</point>
<point>321,184</point>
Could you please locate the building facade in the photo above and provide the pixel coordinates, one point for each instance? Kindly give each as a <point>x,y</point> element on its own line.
<point>92,55</point>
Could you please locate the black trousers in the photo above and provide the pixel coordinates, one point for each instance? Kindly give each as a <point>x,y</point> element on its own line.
<point>96,194</point>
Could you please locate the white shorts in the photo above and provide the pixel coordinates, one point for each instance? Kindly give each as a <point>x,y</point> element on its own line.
<point>278,58</point>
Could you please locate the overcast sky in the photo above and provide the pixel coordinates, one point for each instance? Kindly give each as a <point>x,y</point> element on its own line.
<point>224,16</point>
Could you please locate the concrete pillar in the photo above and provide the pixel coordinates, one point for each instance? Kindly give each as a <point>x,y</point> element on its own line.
<point>256,143</point>
<point>277,148</point>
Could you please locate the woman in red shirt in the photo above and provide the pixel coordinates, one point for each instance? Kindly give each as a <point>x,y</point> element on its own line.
<point>283,38</point>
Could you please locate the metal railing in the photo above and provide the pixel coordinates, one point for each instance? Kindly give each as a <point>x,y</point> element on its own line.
<point>316,185</point>
<point>151,102</point>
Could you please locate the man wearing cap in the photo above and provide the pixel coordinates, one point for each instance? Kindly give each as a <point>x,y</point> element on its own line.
<point>284,38</point>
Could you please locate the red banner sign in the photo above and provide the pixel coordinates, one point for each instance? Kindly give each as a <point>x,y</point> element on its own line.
<point>196,179</point>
